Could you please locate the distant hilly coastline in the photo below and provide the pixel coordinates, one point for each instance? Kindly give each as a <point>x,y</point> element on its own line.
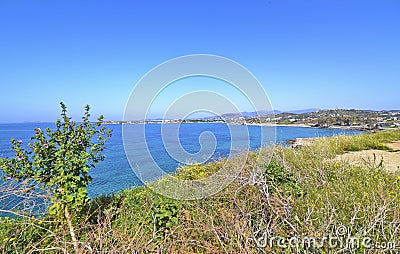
<point>366,120</point>
<point>246,114</point>
<point>266,113</point>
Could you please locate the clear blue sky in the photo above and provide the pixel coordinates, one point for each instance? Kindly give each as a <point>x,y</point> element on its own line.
<point>325,54</point>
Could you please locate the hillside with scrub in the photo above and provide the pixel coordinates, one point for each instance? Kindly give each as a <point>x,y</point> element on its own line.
<point>310,199</point>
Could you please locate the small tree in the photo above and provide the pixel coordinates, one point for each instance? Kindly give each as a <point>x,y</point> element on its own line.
<point>59,160</point>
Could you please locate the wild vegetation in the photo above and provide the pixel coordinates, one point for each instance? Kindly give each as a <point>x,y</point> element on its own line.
<point>303,195</point>
<point>57,162</point>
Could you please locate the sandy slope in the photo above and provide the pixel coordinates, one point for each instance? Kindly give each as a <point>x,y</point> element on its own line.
<point>372,158</point>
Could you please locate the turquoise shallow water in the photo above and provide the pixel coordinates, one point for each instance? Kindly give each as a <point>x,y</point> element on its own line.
<point>115,173</point>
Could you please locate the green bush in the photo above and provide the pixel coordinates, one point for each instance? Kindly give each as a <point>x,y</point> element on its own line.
<point>280,179</point>
<point>59,161</point>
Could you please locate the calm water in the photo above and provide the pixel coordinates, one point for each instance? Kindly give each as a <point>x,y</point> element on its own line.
<point>115,173</point>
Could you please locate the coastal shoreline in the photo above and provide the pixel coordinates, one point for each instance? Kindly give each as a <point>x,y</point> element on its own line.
<point>281,125</point>
<point>250,124</point>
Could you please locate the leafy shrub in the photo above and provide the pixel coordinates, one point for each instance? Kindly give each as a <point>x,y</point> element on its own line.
<point>165,213</point>
<point>59,160</point>
<point>280,179</point>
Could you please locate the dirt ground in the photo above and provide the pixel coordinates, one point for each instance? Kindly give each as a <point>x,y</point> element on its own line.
<point>395,145</point>
<point>299,142</point>
<point>372,158</point>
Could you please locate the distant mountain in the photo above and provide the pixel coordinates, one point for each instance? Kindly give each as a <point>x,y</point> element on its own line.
<point>261,113</point>
<point>303,111</point>
<point>265,113</point>
<point>250,114</point>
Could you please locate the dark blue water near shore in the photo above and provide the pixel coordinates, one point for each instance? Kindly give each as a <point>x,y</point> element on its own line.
<point>115,173</point>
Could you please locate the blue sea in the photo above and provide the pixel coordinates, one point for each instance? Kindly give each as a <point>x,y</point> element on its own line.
<point>115,173</point>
